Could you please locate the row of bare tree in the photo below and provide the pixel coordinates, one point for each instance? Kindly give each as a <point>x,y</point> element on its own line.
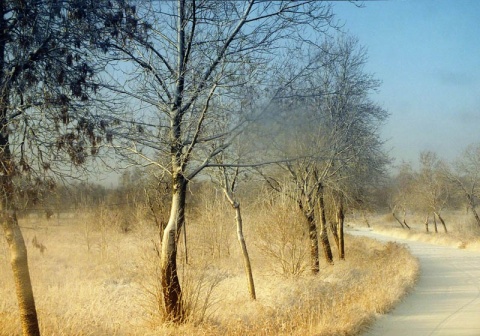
<point>437,185</point>
<point>189,88</point>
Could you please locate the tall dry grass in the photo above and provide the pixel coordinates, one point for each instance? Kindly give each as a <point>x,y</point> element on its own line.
<point>96,278</point>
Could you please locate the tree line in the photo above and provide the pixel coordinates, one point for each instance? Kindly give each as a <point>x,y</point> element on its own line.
<point>436,185</point>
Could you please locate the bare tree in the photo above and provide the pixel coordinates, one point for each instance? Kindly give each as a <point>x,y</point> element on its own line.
<point>333,131</point>
<point>229,184</point>
<point>187,65</point>
<point>402,193</point>
<point>432,187</point>
<point>465,177</point>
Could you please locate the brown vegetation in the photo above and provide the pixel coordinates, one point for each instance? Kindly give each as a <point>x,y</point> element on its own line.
<point>96,278</point>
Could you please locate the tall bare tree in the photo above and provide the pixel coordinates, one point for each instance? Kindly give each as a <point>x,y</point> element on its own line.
<point>331,124</point>
<point>187,65</point>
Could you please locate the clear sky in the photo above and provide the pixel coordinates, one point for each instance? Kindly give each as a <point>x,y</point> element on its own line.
<point>427,55</point>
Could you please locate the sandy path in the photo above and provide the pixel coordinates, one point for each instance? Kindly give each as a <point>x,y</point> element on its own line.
<point>446,300</point>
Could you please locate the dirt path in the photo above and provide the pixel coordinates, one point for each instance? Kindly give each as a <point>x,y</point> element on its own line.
<point>446,299</point>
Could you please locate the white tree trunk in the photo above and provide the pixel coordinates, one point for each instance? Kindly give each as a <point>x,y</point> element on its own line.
<point>246,257</point>
<point>243,244</point>
<point>172,292</point>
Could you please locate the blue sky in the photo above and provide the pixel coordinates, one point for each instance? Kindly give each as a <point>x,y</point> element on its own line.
<point>427,55</point>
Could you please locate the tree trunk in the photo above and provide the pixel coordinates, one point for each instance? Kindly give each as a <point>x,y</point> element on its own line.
<point>475,214</point>
<point>243,245</point>
<point>334,231</point>
<point>471,205</point>
<point>405,218</point>
<point>365,219</point>
<point>21,274</point>
<point>340,224</point>
<point>172,293</point>
<point>313,237</point>
<point>327,250</point>
<point>398,220</point>
<point>435,223</point>
<point>426,223</point>
<point>442,221</point>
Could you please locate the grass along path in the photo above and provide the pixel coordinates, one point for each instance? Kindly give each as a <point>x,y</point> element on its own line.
<point>94,280</point>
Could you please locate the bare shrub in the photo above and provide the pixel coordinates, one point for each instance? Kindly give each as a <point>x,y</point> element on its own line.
<point>212,226</point>
<point>282,237</point>
<point>198,288</point>
<point>122,219</point>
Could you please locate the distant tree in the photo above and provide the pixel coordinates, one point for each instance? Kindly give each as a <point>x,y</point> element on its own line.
<point>431,186</point>
<point>465,177</point>
<point>402,193</point>
<point>45,86</point>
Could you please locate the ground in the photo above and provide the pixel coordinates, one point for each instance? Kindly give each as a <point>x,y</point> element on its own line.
<point>93,278</point>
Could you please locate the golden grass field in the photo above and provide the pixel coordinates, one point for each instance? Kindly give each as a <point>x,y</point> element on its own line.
<point>94,279</point>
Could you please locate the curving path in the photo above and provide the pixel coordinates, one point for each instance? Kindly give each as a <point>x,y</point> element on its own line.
<point>446,299</point>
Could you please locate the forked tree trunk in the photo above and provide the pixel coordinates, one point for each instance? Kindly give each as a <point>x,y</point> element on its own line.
<point>405,218</point>
<point>327,250</point>
<point>442,221</point>
<point>398,220</point>
<point>471,205</point>
<point>172,292</point>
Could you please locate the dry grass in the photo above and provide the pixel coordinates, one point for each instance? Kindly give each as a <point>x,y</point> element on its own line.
<point>95,279</point>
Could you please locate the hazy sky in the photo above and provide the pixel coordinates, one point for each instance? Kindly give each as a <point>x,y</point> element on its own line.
<point>427,55</point>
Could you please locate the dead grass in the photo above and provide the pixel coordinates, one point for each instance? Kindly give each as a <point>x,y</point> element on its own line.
<point>94,279</point>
